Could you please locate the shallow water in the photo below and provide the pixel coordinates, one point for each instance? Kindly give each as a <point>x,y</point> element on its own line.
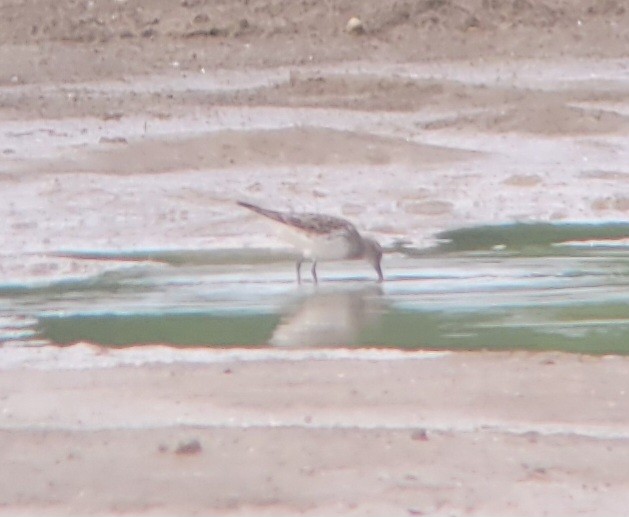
<point>557,287</point>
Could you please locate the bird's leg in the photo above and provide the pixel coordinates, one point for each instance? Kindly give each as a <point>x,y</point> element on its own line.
<point>299,263</point>
<point>379,271</point>
<point>314,272</point>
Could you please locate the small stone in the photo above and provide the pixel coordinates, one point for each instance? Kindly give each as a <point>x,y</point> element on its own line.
<point>355,26</point>
<point>189,447</point>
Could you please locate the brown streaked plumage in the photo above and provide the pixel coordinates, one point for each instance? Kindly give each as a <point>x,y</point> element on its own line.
<point>322,237</point>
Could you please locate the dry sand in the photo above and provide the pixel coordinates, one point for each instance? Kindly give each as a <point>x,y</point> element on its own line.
<point>128,124</point>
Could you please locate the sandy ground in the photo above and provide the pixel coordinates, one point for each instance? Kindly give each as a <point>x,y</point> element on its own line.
<point>127,125</point>
<point>156,432</point>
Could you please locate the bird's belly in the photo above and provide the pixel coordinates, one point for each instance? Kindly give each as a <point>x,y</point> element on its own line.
<point>336,248</point>
<point>317,247</point>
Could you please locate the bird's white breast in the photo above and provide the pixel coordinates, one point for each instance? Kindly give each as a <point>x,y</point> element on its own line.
<point>319,247</point>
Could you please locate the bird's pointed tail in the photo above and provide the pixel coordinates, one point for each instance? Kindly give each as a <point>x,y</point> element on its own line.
<point>271,214</point>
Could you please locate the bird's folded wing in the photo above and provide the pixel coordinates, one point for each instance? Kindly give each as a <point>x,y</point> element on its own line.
<point>318,224</point>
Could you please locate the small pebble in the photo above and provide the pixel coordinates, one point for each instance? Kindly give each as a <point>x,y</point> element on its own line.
<point>355,26</point>
<point>189,447</point>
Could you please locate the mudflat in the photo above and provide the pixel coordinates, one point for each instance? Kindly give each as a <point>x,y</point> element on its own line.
<point>134,125</point>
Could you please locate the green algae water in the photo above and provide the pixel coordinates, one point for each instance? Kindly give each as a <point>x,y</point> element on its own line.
<point>510,287</point>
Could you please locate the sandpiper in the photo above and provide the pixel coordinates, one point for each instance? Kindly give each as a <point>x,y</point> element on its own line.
<point>322,237</point>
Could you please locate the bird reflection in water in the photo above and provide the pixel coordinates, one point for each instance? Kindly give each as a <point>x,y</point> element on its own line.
<point>330,318</point>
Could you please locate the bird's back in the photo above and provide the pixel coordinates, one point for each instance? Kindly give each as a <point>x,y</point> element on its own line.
<point>310,223</point>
